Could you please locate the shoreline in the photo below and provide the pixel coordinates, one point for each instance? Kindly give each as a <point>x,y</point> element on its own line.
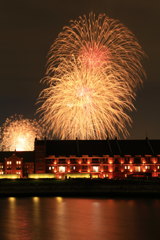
<point>127,188</point>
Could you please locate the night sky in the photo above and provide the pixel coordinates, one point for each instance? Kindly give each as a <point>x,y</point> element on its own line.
<point>28,28</point>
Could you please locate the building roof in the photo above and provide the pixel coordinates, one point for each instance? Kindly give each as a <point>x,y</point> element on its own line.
<point>91,148</point>
<point>27,156</point>
<point>101,147</point>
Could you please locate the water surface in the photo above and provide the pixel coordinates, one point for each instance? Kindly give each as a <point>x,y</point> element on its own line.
<point>59,218</point>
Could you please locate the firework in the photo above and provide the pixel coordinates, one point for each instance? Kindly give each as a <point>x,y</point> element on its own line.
<point>98,42</point>
<point>18,133</point>
<point>94,67</point>
<point>86,104</point>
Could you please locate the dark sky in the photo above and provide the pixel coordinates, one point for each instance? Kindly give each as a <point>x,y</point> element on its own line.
<point>29,27</point>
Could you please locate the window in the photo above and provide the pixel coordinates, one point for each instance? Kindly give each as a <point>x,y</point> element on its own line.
<point>73,168</point>
<point>62,169</point>
<point>84,168</point>
<point>18,162</point>
<point>137,168</point>
<point>73,161</point>
<point>62,161</point>
<point>50,168</point>
<point>9,162</point>
<point>95,169</point>
<point>95,160</point>
<point>147,167</point>
<point>127,167</point>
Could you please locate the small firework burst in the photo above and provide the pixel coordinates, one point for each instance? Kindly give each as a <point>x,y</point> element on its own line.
<point>18,133</point>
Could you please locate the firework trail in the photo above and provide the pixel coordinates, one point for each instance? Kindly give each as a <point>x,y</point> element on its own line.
<point>94,67</point>
<point>18,133</point>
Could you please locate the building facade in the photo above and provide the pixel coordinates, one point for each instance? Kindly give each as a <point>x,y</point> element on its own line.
<point>112,159</point>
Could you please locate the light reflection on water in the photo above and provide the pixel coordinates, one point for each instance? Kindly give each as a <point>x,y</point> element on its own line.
<point>60,218</point>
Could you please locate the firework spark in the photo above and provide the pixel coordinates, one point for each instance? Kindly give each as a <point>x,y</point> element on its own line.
<point>18,133</point>
<point>94,67</point>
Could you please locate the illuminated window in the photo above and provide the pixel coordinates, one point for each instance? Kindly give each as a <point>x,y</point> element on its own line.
<point>137,168</point>
<point>18,162</point>
<point>52,167</point>
<point>110,160</point>
<point>127,167</point>
<point>49,168</point>
<point>147,167</point>
<point>9,162</point>
<point>95,169</point>
<point>62,169</point>
<point>74,167</point>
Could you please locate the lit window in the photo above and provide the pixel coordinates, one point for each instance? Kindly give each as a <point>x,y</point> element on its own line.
<point>74,167</point>
<point>125,167</point>
<point>95,168</point>
<point>49,168</point>
<point>137,168</point>
<point>52,167</point>
<point>110,160</point>
<point>147,167</point>
<point>62,169</point>
<point>8,162</point>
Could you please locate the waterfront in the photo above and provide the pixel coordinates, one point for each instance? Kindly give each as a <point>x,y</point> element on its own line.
<point>60,218</point>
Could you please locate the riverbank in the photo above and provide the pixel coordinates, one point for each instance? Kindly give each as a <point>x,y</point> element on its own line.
<point>81,187</point>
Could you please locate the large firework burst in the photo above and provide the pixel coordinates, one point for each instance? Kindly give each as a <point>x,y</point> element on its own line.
<point>18,133</point>
<point>94,67</point>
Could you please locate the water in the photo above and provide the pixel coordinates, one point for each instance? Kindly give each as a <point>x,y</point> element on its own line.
<point>79,219</point>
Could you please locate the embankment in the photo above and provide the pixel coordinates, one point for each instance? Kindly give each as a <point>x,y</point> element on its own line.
<point>81,187</point>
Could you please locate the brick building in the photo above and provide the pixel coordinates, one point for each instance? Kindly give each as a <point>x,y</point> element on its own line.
<point>96,158</point>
